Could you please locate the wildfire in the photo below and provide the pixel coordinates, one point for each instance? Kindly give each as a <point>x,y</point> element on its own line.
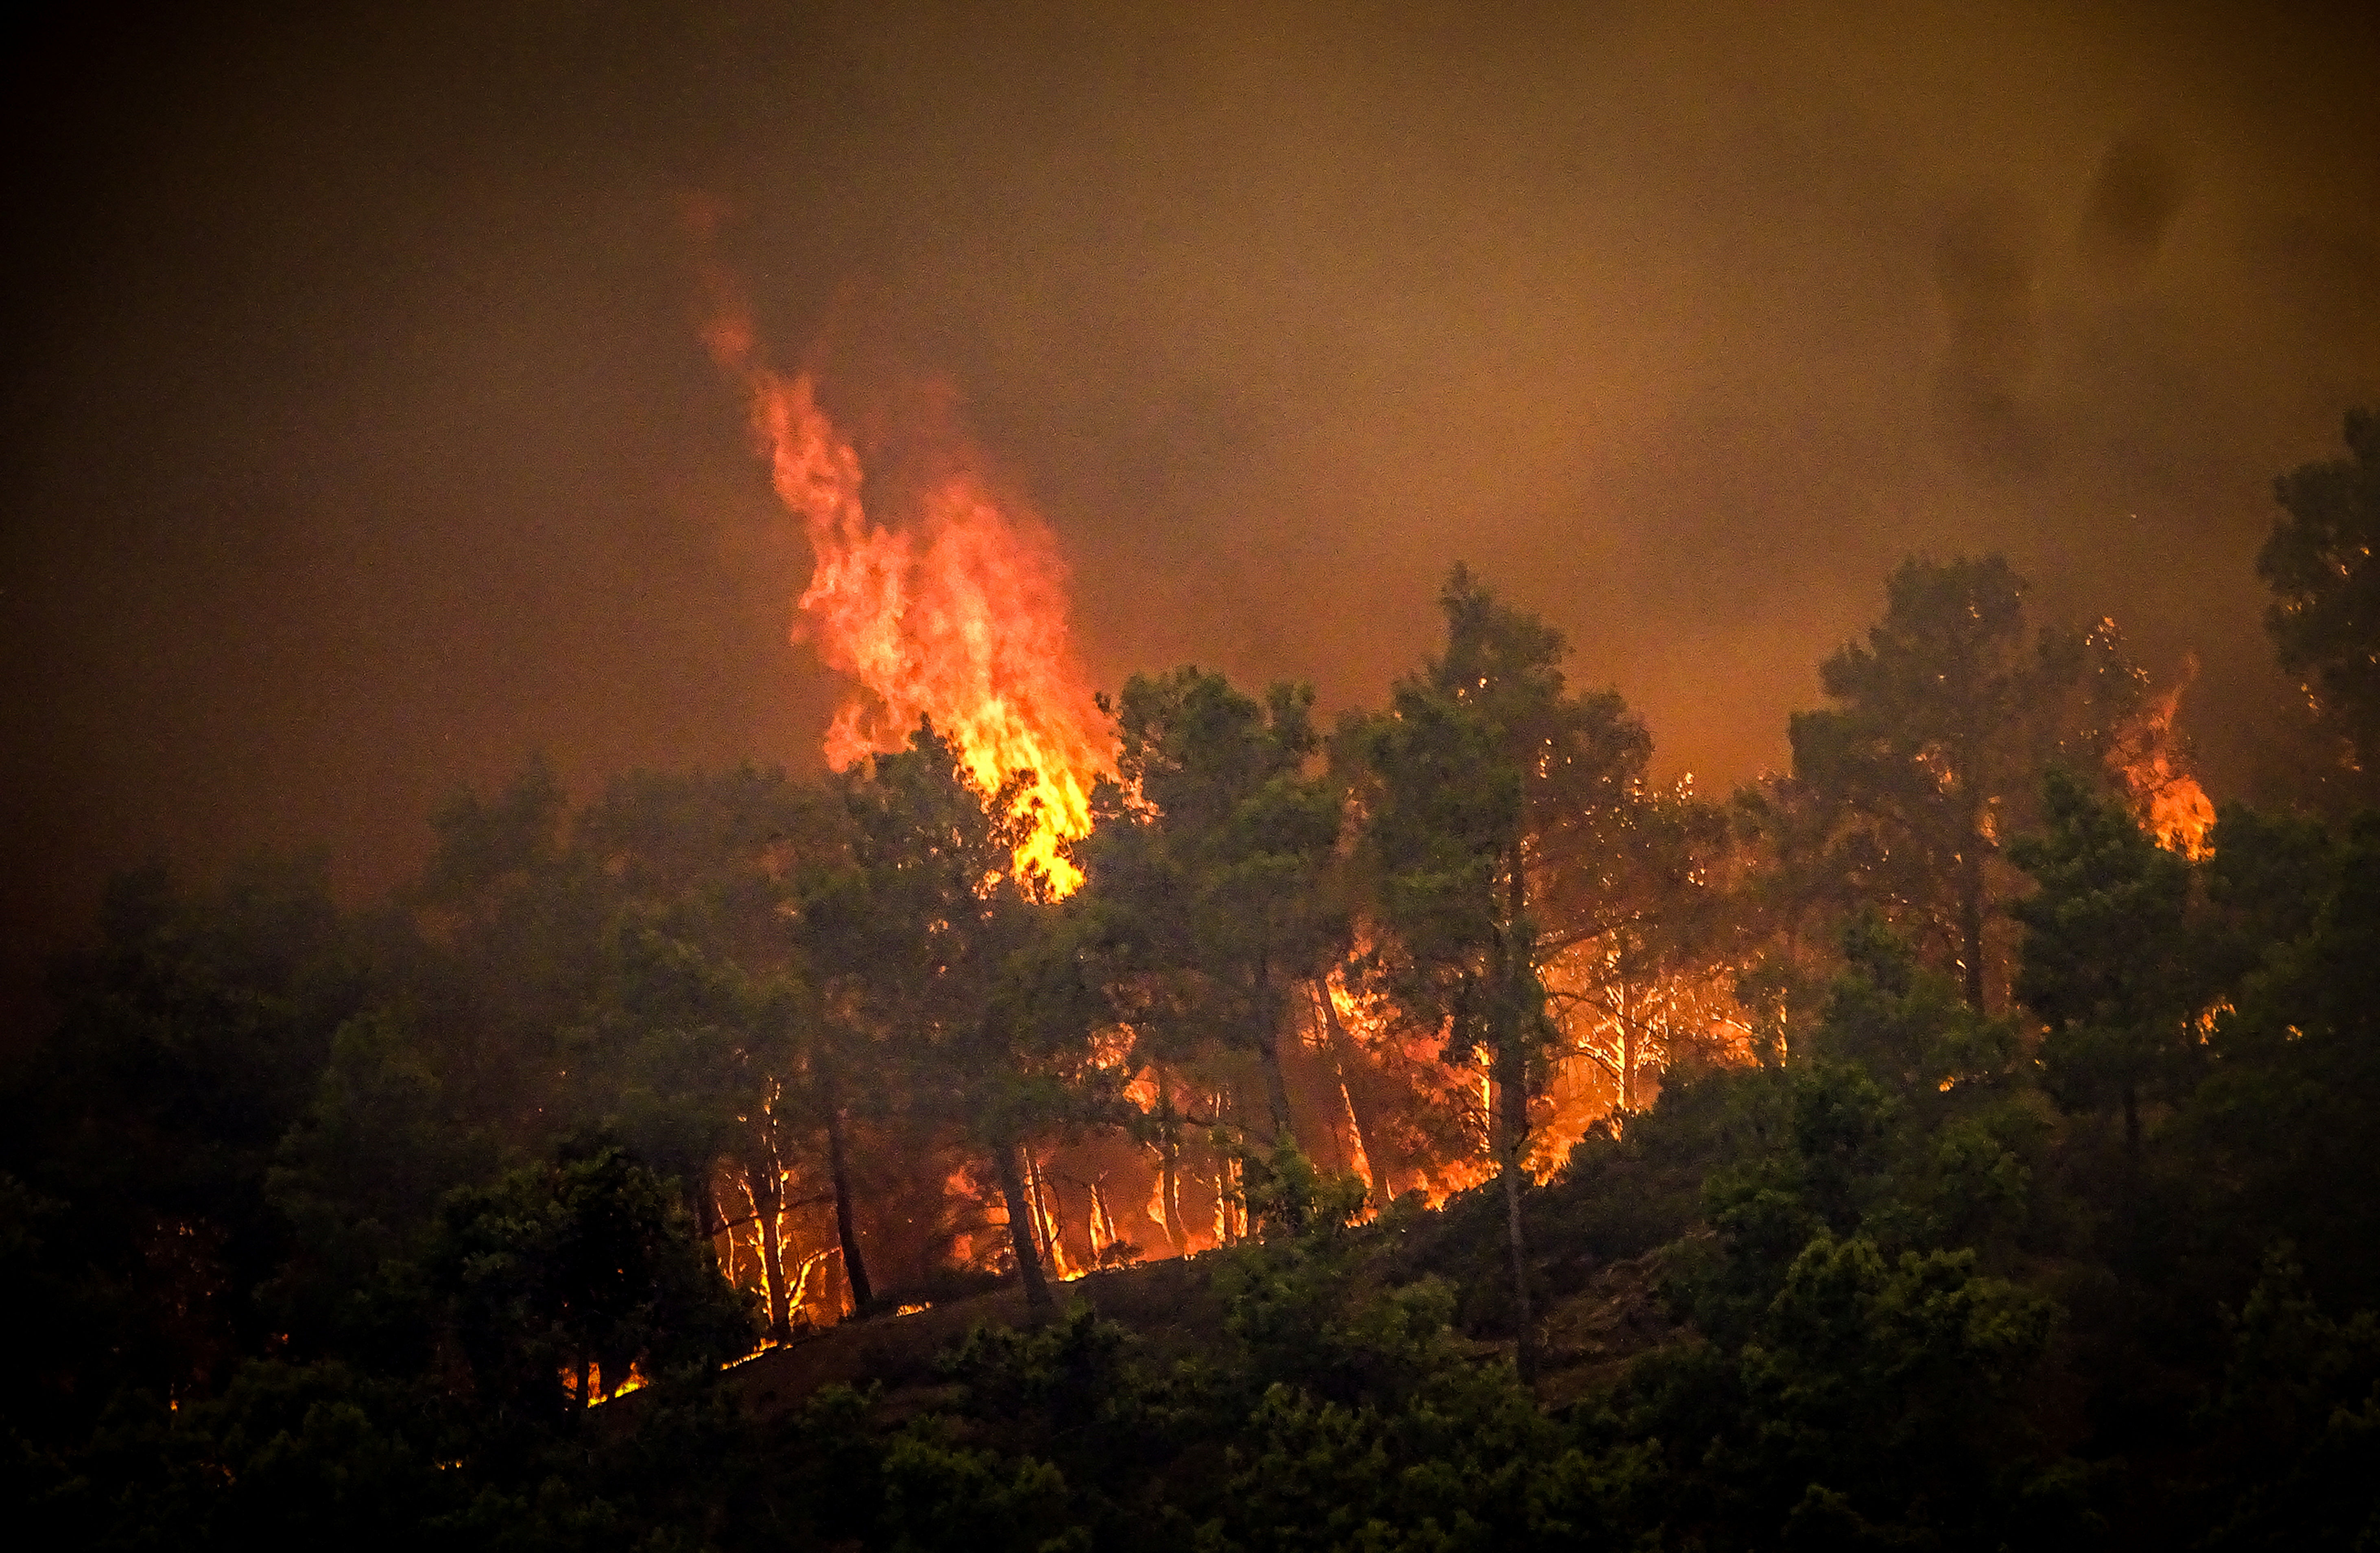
<point>2168,800</point>
<point>956,611</point>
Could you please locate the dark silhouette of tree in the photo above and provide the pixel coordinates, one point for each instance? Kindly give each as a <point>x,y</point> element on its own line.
<point>2326,613</point>
<point>1484,767</point>
<point>2112,964</point>
<point>586,1266</point>
<point>191,1039</point>
<point>1947,715</point>
<point>699,1039</point>
<point>971,972</point>
<point>1210,869</point>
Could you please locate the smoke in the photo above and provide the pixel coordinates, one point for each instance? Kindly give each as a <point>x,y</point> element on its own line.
<point>2134,198</point>
<point>359,439</point>
<point>1983,267</point>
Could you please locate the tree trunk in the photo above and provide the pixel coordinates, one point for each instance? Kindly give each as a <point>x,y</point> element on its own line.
<point>1970,921</point>
<point>1169,1156</point>
<point>1102,1216</point>
<point>1347,1060</point>
<point>1044,1198</point>
<point>847,1227</point>
<point>1510,1071</point>
<point>1020,1228</point>
<point>713,1224</point>
<point>1512,1100</point>
<point>767,1195</point>
<point>1269,1011</point>
<point>1226,1174</point>
<point>1627,1051</point>
<point>1232,1180</point>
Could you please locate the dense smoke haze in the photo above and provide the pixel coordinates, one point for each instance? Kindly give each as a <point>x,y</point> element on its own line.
<point>360,437</point>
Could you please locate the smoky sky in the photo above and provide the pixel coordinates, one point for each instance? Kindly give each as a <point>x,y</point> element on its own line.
<point>360,439</point>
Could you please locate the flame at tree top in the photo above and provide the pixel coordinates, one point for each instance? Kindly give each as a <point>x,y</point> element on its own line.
<point>957,612</point>
<point>2166,799</point>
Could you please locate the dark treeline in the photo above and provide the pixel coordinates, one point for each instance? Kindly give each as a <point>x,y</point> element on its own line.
<point>1964,1141</point>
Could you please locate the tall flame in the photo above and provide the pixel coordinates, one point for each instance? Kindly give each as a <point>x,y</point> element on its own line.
<point>2170,804</point>
<point>957,612</point>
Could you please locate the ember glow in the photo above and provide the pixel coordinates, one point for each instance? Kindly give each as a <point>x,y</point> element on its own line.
<point>2167,800</point>
<point>956,610</point>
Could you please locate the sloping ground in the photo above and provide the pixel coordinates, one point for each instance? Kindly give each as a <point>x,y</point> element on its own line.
<point>1590,1337</point>
<point>1169,1304</point>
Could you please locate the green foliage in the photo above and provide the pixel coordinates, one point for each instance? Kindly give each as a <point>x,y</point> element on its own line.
<point>943,1497</point>
<point>2113,962</point>
<point>316,1226</point>
<point>2296,1422</point>
<point>1063,1371</point>
<point>1209,872</point>
<point>190,1041</point>
<point>1467,1461</point>
<point>1285,1195</point>
<point>358,1180</point>
<point>588,1260</point>
<point>2281,1119</point>
<point>2326,614</point>
<point>1906,1026</point>
<point>1866,1395</point>
<point>1947,717</point>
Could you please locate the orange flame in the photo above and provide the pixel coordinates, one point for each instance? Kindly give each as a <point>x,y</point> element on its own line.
<point>2166,799</point>
<point>957,613</point>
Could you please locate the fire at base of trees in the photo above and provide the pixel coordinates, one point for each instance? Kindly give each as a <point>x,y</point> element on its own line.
<point>625,1090</point>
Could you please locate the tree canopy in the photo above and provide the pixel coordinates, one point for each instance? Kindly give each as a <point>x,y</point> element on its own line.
<point>2325,616</point>
<point>1441,1135</point>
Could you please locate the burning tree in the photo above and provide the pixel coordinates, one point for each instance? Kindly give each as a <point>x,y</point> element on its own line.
<point>705,1039</point>
<point>1947,718</point>
<point>1644,942</point>
<point>1482,771</point>
<point>955,611</point>
<point>566,1277</point>
<point>1210,870</point>
<point>955,951</point>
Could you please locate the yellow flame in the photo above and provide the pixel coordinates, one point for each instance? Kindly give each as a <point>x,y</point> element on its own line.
<point>957,613</point>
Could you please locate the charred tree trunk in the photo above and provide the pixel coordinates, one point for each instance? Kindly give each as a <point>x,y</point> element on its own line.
<point>1269,1009</point>
<point>1044,1198</point>
<point>713,1224</point>
<point>768,1195</point>
<point>1347,1062</point>
<point>1627,1050</point>
<point>1168,1158</point>
<point>1970,921</point>
<point>1512,1101</point>
<point>847,1227</point>
<point>1515,1027</point>
<point>1020,1230</point>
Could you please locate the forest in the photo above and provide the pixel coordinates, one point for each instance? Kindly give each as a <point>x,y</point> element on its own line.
<point>1422,1130</point>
